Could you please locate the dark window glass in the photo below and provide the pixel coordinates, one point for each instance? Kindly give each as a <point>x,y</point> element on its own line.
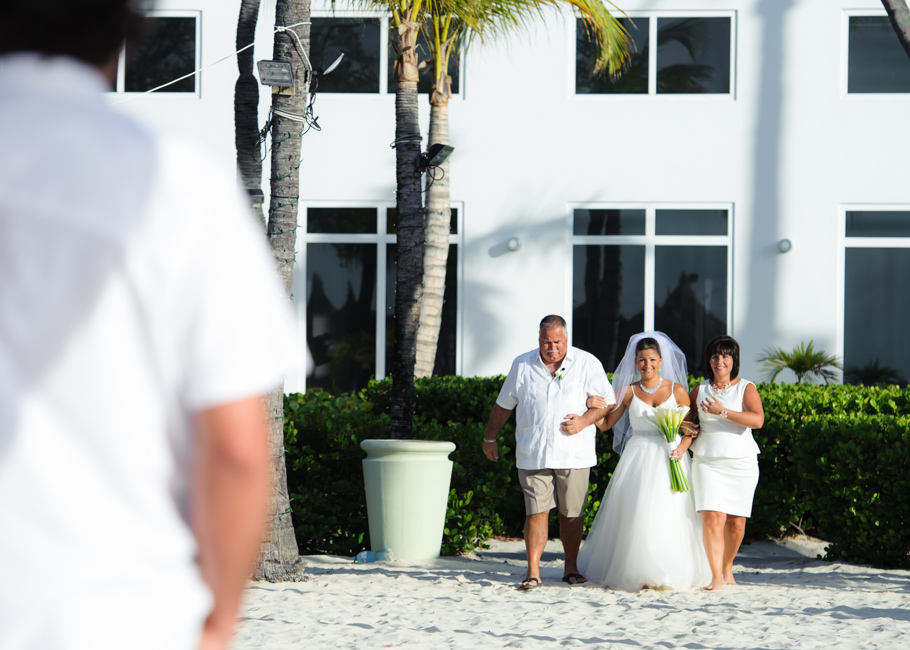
<point>607,299</point>
<point>690,222</point>
<point>425,80</point>
<point>693,55</point>
<point>358,39</point>
<point>341,315</point>
<point>633,80</point>
<point>168,54</point>
<point>392,216</point>
<point>608,222</point>
<point>690,297</point>
<point>876,62</point>
<point>391,266</point>
<point>874,223</point>
<point>341,220</point>
<point>445,348</point>
<point>876,337</point>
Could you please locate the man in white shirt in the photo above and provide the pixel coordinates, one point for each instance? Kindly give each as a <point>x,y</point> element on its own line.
<point>141,321</point>
<point>548,385</point>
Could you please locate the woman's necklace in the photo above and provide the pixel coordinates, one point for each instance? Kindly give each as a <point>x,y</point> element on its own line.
<point>649,391</point>
<point>721,390</point>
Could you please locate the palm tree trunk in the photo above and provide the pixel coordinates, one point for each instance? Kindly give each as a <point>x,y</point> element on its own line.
<point>246,105</point>
<point>411,231</point>
<point>279,558</point>
<point>436,255</point>
<point>899,16</point>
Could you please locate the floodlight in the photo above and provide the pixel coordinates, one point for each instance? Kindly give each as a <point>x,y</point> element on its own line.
<point>330,61</point>
<point>276,73</point>
<point>435,156</point>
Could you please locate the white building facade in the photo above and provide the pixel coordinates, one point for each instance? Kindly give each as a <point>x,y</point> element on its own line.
<point>746,176</point>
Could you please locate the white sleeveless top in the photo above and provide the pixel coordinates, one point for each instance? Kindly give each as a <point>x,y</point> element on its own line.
<point>720,438</point>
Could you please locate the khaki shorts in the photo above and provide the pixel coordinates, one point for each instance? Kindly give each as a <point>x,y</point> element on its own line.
<point>546,488</point>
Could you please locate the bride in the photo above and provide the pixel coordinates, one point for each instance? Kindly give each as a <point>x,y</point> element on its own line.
<point>644,534</point>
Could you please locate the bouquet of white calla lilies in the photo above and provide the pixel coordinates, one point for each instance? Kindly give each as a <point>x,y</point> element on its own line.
<point>668,420</point>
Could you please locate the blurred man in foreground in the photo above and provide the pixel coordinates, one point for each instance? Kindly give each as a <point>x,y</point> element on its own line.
<point>141,320</point>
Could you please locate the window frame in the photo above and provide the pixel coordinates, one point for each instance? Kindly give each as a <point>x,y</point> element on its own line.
<point>381,239</point>
<point>119,87</point>
<point>843,243</point>
<point>845,57</point>
<point>384,46</point>
<point>652,93</point>
<point>651,240</point>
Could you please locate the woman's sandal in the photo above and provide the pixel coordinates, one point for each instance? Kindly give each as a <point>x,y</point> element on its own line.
<point>529,583</point>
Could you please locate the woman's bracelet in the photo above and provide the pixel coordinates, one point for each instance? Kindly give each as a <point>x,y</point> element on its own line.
<point>724,415</point>
<point>493,440</point>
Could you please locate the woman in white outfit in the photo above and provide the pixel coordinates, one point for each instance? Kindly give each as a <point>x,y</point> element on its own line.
<point>725,464</point>
<point>644,534</point>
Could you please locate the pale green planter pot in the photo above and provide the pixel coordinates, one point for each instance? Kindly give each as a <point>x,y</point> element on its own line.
<point>407,489</point>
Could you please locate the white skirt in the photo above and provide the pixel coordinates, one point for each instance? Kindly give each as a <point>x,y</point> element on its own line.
<point>725,484</point>
<point>644,533</point>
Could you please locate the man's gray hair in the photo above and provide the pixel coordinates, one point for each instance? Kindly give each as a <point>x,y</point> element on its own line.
<point>553,321</point>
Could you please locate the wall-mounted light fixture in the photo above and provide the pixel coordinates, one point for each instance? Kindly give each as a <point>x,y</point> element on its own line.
<point>785,245</point>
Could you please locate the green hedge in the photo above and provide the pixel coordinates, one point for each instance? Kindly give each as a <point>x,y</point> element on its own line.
<point>325,479</point>
<point>855,471</point>
<point>780,506</point>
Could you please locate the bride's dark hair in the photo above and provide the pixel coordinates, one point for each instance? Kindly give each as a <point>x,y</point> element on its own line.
<point>648,343</point>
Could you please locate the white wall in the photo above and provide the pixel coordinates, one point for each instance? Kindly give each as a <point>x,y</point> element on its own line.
<point>786,150</point>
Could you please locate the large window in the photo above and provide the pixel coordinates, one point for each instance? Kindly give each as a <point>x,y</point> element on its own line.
<point>876,62</point>
<point>876,311</point>
<point>169,52</point>
<point>349,257</point>
<point>365,69</point>
<point>694,55</point>
<point>645,267</point>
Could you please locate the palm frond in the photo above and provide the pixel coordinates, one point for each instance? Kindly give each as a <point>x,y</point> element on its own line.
<point>804,360</point>
<point>493,18</point>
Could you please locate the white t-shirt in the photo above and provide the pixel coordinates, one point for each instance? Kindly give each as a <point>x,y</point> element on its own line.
<point>543,402</point>
<point>135,290</point>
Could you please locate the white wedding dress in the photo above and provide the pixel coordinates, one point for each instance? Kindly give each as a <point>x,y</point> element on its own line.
<point>645,534</point>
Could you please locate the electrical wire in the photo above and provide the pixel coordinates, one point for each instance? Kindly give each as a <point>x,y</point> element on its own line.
<point>279,28</point>
<point>431,176</point>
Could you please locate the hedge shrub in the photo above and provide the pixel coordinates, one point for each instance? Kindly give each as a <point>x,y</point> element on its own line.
<point>855,471</point>
<point>325,478</point>
<point>780,507</point>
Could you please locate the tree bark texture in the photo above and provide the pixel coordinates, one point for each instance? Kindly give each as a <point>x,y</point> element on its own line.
<point>279,558</point>
<point>411,231</point>
<point>436,253</point>
<point>246,113</point>
<point>899,15</point>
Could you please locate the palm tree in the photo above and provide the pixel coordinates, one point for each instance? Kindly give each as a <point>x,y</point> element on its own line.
<point>279,558</point>
<point>406,20</point>
<point>899,16</point>
<point>447,33</point>
<point>804,360</point>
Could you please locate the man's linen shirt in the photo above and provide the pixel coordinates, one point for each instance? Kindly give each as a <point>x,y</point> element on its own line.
<point>544,401</point>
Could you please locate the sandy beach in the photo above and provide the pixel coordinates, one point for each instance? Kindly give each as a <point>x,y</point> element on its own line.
<point>785,598</point>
